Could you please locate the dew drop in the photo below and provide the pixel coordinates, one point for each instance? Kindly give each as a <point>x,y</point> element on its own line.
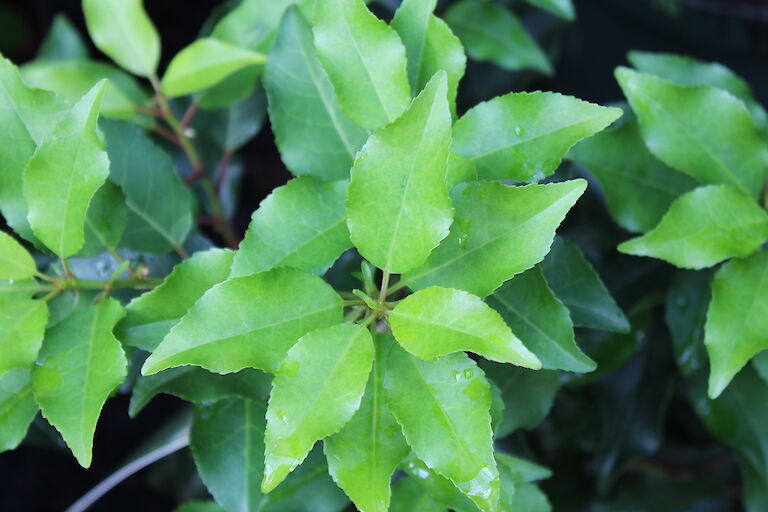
<point>468,373</point>
<point>519,131</point>
<point>457,375</point>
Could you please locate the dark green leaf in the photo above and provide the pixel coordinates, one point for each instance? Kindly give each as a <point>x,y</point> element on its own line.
<point>104,221</point>
<point>62,42</point>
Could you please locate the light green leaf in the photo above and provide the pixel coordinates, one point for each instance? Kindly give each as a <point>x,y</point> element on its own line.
<point>437,321</point>
<point>562,8</point>
<point>199,386</point>
<point>26,117</point>
<point>313,135</point>
<point>499,231</point>
<point>227,440</point>
<point>233,89</point>
<point>430,46</point>
<point>22,325</point>
<point>365,61</point>
<point>63,175</point>
<point>442,406</point>
<point>301,224</point>
<point>316,391</point>
<point>440,489</point>
<point>522,470</point>
<point>15,261</point>
<point>122,30</point>
<point>398,203</point>
<point>531,309</point>
<point>80,364</point>
<point>408,495</point>
<point>200,506</point>
<point>491,32</point>
<point>17,407</point>
<point>573,279</point>
<point>688,71</point>
<point>62,42</point>
<point>152,315</point>
<point>702,131</point>
<point>704,227</point>
<point>254,23</point>
<point>737,320</point>
<point>363,456</point>
<point>159,205</point>
<point>104,221</point>
<point>248,321</point>
<point>205,63</point>
<point>460,170</point>
<point>18,289</point>
<point>638,187</point>
<point>523,136</point>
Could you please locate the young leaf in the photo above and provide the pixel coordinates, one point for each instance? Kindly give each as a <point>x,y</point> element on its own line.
<point>81,363</point>
<point>437,321</point>
<point>122,30</point>
<point>104,221</point>
<point>562,8</point>
<point>703,227</point>
<point>159,205</point>
<point>302,224</point>
<point>22,325</point>
<point>737,320</point>
<point>439,488</point>
<point>17,407</point>
<point>227,440</point>
<point>27,116</point>
<point>398,203</point>
<point>702,131</point>
<point>499,231</point>
<point>229,128</point>
<point>531,309</point>
<point>365,62</point>
<point>254,23</point>
<point>248,321</point>
<point>316,391</point>
<point>15,261</point>
<point>442,406</point>
<point>638,187</point>
<point>523,136</point>
<point>205,63</point>
<point>64,174</point>
<point>313,135</point>
<point>152,315</point>
<point>363,456</point>
<point>430,46</point>
<point>573,279</point>
<point>491,32</point>
<point>63,42</point>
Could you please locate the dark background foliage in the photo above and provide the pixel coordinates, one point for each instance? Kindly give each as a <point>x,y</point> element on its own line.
<point>603,432</point>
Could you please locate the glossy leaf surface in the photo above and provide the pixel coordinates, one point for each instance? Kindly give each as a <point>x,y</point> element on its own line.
<point>562,8</point>
<point>22,325</point>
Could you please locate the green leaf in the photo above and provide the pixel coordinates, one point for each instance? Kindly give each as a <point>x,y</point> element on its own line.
<point>409,495</point>
<point>227,440</point>
<point>205,63</point>
<point>316,391</point>
<point>62,42</point>
<point>64,174</point>
<point>562,8</point>
<point>313,135</point>
<point>704,227</point>
<point>27,116</point>
<point>702,131</point>
<point>499,231</point>
<point>15,261</point>
<point>527,395</point>
<point>152,315</point>
<point>231,127</point>
<point>363,456</point>
<point>22,325</point>
<point>159,205</point>
<point>254,23</point>
<point>430,46</point>
<point>71,79</point>
<point>365,61</point>
<point>437,321</point>
<point>199,506</point>
<point>491,32</point>
<point>104,221</point>
<point>122,30</point>
<point>248,321</point>
<point>573,279</point>
<point>638,187</point>
<point>686,313</point>
<point>398,203</point>
<point>688,71</point>
<point>460,170</point>
<point>81,363</point>
<point>522,470</point>
<point>443,407</point>
<point>737,320</point>
<point>199,386</point>
<point>530,308</point>
<point>18,289</point>
<point>233,89</point>
<point>17,407</point>
<point>523,136</point>
<point>301,224</point>
<point>440,489</point>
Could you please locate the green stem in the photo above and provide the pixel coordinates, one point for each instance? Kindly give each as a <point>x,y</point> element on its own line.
<point>89,284</point>
<point>384,287</point>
